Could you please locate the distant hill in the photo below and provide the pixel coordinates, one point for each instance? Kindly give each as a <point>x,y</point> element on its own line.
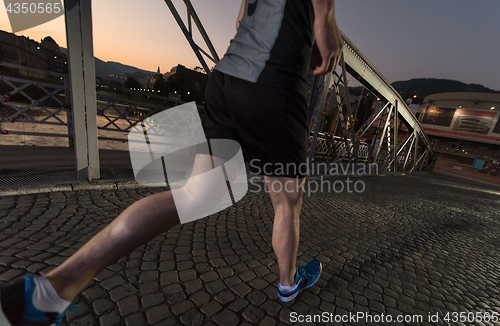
<point>423,87</point>
<point>105,69</point>
<point>127,69</point>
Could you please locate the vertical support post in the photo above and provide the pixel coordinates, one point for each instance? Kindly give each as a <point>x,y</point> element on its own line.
<point>69,113</point>
<point>318,114</point>
<point>416,152</point>
<point>78,17</point>
<point>353,146</point>
<point>387,124</point>
<point>396,135</point>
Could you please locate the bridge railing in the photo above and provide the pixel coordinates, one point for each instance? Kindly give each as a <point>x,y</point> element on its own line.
<point>34,96</point>
<point>29,95</point>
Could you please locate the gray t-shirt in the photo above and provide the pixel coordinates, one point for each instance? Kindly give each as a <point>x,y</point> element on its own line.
<point>273,44</point>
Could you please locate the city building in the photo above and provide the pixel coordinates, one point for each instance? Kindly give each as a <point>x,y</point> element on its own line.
<point>24,51</point>
<point>464,124</point>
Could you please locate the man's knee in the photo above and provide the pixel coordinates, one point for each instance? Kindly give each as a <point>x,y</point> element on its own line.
<point>286,192</point>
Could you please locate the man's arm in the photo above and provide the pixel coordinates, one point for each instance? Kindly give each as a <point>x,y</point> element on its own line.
<point>240,14</point>
<point>328,37</point>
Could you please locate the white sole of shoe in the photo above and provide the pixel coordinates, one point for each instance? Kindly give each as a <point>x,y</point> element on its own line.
<point>290,298</point>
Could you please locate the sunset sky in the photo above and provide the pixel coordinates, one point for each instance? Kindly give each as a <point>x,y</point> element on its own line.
<point>452,39</point>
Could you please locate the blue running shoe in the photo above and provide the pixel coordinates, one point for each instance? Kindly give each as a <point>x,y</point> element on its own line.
<point>305,277</point>
<point>17,309</point>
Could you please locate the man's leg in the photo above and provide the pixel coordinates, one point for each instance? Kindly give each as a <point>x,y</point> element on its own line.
<point>139,223</point>
<point>135,226</point>
<point>286,196</point>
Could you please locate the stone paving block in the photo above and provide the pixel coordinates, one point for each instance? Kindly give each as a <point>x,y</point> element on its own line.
<point>256,297</point>
<point>150,300</point>
<point>215,287</point>
<point>241,289</point>
<point>11,274</point>
<point>238,304</point>
<point>175,298</point>
<point>181,307</point>
<point>122,292</point>
<point>226,317</point>
<point>187,275</point>
<point>169,277</point>
<point>166,266</point>
<point>211,308</point>
<point>258,283</point>
<point>193,286</point>
<point>112,282</point>
<point>128,305</point>
<point>57,260</point>
<point>149,287</point>
<point>271,307</point>
<point>253,314</point>
<point>93,293</point>
<point>110,319</point>
<point>192,317</point>
<point>209,276</point>
<point>284,316</point>
<point>157,313</point>
<point>200,298</point>
<point>224,297</point>
<point>7,260</point>
<point>148,276</point>
<point>102,305</point>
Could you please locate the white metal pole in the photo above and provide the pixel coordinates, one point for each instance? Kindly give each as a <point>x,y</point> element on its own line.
<point>82,79</point>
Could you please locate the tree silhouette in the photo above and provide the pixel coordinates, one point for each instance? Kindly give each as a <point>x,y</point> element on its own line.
<point>159,82</point>
<point>131,82</point>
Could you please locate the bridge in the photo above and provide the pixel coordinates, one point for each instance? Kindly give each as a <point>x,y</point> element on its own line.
<point>418,248</point>
<point>389,136</point>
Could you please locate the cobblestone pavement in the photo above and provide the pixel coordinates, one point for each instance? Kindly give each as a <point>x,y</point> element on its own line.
<point>408,245</point>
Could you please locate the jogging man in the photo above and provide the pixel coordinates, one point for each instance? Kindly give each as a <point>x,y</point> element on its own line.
<point>255,96</point>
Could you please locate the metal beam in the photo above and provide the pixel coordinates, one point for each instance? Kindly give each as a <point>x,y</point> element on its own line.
<point>189,35</point>
<point>357,62</point>
<point>78,17</point>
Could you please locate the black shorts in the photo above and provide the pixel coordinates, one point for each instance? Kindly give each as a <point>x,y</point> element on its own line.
<point>269,123</point>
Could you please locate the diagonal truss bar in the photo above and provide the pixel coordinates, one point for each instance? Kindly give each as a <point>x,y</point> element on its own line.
<point>317,115</point>
<point>189,35</point>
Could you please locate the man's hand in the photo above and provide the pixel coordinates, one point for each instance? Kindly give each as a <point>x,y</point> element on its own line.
<point>328,37</point>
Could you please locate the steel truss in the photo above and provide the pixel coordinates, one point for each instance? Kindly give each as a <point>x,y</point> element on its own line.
<point>188,33</point>
<point>413,153</point>
<point>47,114</point>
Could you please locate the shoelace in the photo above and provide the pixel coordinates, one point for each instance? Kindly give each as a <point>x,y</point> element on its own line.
<point>59,319</point>
<point>305,272</point>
